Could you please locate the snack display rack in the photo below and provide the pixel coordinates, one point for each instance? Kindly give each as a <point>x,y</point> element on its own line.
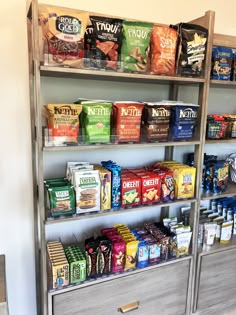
<point>214,284</point>
<point>179,280</point>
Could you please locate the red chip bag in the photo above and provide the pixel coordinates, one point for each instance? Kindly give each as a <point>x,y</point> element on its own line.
<point>163,50</point>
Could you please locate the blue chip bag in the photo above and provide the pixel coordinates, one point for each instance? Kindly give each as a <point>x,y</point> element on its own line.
<point>222,58</point>
<point>183,120</point>
<point>142,255</point>
<point>116,183</point>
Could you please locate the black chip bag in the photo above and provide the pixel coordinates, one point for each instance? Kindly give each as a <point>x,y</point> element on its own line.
<point>135,46</point>
<point>192,49</point>
<point>107,35</point>
<point>89,49</point>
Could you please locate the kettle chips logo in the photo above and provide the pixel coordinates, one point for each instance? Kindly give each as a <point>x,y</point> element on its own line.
<point>187,113</point>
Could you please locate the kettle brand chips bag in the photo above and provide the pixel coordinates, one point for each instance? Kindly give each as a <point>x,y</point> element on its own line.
<point>163,50</point>
<point>96,120</point>
<point>134,50</point>
<point>106,42</point>
<point>63,122</point>
<point>192,49</point>
<point>63,35</point>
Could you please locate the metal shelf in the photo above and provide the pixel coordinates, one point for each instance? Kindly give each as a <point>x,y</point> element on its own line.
<point>114,212</point>
<point>231,191</point>
<point>115,76</point>
<point>116,276</point>
<point>220,141</point>
<point>223,83</point>
<point>83,147</point>
<point>217,247</point>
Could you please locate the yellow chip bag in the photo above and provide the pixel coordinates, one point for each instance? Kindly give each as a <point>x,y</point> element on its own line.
<point>130,256</point>
<point>184,177</point>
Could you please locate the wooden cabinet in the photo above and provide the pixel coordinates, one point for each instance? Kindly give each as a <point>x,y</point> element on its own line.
<point>158,291</point>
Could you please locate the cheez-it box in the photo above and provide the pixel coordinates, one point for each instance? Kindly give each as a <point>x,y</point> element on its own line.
<point>151,188</point>
<point>130,190</point>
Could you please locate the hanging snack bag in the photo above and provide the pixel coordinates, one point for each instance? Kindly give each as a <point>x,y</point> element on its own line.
<point>127,121</point>
<point>62,32</point>
<point>163,50</point>
<point>96,121</point>
<point>63,123</point>
<point>107,38</point>
<point>222,58</point>
<point>191,53</point>
<point>135,46</point>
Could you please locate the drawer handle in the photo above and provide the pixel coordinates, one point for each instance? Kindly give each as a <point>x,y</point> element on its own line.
<point>129,307</point>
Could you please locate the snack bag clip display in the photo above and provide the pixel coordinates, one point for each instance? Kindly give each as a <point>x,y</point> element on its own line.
<point>135,46</point>
<point>62,36</point>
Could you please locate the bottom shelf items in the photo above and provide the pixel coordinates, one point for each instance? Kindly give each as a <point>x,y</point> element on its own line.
<point>117,250</point>
<point>164,289</point>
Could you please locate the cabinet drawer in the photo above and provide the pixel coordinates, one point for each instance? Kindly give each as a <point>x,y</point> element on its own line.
<point>217,281</point>
<point>160,291</point>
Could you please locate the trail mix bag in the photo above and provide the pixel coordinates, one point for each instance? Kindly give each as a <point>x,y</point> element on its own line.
<point>135,46</point>
<point>191,53</point>
<point>62,33</point>
<point>163,50</point>
<point>106,39</point>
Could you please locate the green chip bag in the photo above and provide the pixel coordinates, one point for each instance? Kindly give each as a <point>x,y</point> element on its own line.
<point>61,200</point>
<point>96,122</point>
<point>134,50</point>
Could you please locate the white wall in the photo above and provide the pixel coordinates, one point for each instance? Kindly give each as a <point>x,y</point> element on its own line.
<point>16,223</point>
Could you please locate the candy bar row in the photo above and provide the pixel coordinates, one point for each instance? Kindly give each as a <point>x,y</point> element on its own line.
<point>116,250</point>
<point>88,188</point>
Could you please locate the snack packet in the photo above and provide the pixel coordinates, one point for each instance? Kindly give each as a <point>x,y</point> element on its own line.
<point>163,50</point>
<point>107,38</point>
<point>135,46</point>
<point>62,32</point>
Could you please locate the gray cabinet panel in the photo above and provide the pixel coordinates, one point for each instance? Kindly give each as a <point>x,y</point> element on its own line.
<point>217,279</point>
<point>160,291</point>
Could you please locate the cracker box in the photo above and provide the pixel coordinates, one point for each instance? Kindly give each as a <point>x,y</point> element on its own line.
<point>87,188</point>
<point>105,196</point>
<point>184,177</point>
<point>151,188</point>
<point>130,190</point>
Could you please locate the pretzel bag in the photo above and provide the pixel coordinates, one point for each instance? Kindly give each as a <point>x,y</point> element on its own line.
<point>62,32</point>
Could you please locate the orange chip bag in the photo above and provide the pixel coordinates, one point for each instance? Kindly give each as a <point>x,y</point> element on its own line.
<point>163,49</point>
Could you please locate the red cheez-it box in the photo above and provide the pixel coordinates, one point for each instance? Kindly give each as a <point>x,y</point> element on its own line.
<point>151,188</point>
<point>130,190</point>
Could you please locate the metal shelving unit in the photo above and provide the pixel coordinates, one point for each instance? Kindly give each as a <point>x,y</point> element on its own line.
<point>177,268</point>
